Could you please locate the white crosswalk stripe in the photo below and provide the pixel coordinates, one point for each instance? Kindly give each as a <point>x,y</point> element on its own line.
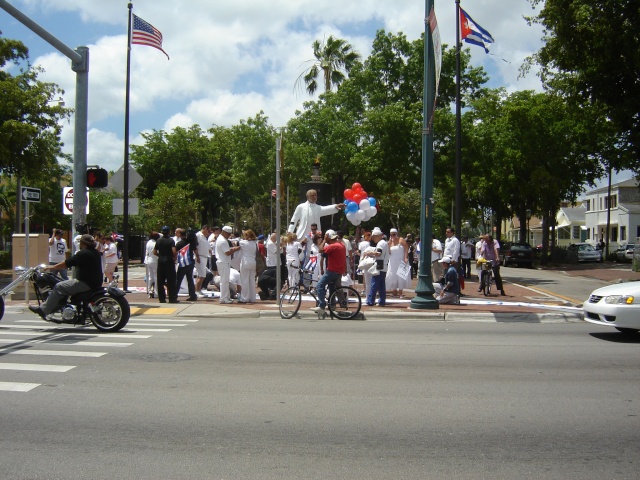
<point>27,337</point>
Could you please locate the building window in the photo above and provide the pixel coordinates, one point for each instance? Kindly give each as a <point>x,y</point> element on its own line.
<point>575,232</point>
<point>611,202</point>
<point>587,204</point>
<point>623,234</point>
<point>614,235</point>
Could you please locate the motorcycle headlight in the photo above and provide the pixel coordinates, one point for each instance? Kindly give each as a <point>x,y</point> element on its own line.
<point>619,299</point>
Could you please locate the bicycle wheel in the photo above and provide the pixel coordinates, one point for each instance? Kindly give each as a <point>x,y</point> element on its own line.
<point>345,303</point>
<point>486,287</point>
<point>289,302</point>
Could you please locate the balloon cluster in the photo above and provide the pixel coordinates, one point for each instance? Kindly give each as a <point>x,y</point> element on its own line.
<point>359,207</point>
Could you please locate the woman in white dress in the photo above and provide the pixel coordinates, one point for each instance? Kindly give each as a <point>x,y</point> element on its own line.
<point>248,248</point>
<point>398,253</point>
<point>292,257</point>
<point>151,263</point>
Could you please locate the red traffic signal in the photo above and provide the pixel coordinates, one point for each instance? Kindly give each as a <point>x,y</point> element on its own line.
<point>97,178</point>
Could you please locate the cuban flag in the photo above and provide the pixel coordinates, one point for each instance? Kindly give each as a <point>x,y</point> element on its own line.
<point>310,266</point>
<point>184,256</point>
<point>473,33</point>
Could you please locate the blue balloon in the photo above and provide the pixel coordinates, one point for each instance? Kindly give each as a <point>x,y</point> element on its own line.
<point>352,207</point>
<point>372,201</point>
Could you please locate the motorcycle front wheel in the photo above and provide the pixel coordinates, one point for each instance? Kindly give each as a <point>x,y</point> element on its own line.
<point>110,314</point>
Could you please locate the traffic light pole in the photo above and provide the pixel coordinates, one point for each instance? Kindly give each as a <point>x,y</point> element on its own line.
<point>79,64</point>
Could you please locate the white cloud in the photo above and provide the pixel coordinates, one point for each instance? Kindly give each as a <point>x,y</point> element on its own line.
<point>230,59</point>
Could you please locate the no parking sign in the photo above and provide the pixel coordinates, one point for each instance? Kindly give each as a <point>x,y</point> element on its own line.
<point>67,201</point>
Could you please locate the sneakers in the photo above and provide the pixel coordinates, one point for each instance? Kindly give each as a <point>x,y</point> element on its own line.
<point>226,302</point>
<point>317,309</point>
<point>38,311</point>
<point>200,294</point>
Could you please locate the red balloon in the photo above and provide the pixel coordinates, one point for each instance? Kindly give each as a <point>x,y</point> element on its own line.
<point>364,194</point>
<point>356,186</point>
<point>357,197</point>
<point>348,194</point>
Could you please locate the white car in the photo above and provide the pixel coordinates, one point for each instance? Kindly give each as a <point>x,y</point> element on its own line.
<point>615,306</point>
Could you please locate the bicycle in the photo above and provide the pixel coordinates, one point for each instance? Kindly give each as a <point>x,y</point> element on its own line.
<point>486,277</point>
<point>344,302</point>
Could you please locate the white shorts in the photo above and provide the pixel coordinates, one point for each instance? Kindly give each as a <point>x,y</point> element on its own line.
<point>110,267</point>
<point>201,267</point>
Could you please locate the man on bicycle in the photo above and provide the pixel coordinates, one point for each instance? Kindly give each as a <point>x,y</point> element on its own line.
<point>336,254</point>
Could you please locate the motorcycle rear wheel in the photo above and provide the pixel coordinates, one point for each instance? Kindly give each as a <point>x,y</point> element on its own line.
<point>1,307</point>
<point>110,314</point>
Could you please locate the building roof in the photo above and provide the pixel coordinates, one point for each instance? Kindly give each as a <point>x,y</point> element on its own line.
<point>630,183</point>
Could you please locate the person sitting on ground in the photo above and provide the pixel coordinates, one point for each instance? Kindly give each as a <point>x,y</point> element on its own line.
<point>448,289</point>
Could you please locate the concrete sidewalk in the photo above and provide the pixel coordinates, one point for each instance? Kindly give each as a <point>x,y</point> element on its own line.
<point>521,303</point>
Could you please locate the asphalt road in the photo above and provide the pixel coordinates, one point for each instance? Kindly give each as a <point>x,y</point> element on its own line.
<point>572,289</point>
<point>275,399</point>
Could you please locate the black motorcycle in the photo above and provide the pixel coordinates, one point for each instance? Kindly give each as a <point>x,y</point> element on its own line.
<point>107,308</point>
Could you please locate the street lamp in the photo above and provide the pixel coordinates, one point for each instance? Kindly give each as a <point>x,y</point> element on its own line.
<point>528,219</point>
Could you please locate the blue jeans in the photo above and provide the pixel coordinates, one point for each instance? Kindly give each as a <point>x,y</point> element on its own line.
<point>378,285</point>
<point>329,278</point>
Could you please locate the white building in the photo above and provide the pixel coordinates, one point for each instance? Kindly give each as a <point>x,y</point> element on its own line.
<point>624,224</point>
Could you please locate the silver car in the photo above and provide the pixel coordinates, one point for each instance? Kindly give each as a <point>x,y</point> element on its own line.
<point>615,306</point>
<point>583,252</point>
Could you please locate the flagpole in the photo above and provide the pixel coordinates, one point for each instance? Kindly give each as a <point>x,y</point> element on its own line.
<point>125,201</point>
<point>458,212</point>
<point>424,298</point>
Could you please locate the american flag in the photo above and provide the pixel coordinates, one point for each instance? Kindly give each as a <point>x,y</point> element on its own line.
<point>146,34</point>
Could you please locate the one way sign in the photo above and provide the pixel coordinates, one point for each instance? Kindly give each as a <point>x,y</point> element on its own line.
<point>30,194</point>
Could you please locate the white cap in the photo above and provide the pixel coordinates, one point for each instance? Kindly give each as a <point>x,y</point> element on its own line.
<point>376,231</point>
<point>393,230</point>
<point>332,234</point>
<point>227,229</point>
<point>445,259</point>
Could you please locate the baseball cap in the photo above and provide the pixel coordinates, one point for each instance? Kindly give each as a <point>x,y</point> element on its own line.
<point>445,259</point>
<point>376,231</point>
<point>165,229</point>
<point>332,234</point>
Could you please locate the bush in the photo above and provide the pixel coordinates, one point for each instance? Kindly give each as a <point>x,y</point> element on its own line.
<point>5,260</point>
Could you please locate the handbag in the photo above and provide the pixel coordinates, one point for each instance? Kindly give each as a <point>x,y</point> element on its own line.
<point>261,266</point>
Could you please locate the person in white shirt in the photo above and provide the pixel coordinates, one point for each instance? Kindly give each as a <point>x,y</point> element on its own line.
<point>57,251</point>
<point>452,246</point>
<point>203,253</point>
<point>436,255</point>
<point>110,258</point>
<point>381,254</point>
<point>248,250</point>
<point>223,260</point>
<point>466,252</point>
<point>366,276</point>
<point>151,263</point>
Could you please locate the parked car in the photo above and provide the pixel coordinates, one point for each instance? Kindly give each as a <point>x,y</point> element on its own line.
<point>517,254</point>
<point>583,252</point>
<point>625,253</point>
<point>615,306</point>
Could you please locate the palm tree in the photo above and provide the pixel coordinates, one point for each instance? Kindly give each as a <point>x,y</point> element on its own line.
<point>332,57</point>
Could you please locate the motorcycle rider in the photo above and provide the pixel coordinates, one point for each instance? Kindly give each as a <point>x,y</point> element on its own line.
<point>88,276</point>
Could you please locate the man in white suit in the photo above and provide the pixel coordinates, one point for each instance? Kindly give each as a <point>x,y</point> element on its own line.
<point>308,213</point>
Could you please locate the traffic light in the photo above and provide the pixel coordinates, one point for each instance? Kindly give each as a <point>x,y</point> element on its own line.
<point>97,178</point>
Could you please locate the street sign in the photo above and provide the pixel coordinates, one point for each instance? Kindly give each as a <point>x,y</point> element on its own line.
<point>67,201</point>
<point>118,206</point>
<point>117,180</point>
<point>29,194</point>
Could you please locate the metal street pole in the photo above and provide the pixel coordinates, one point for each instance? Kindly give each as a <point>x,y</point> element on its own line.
<point>79,64</point>
<point>424,298</point>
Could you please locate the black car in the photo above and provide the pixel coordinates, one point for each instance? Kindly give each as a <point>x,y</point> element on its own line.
<point>517,254</point>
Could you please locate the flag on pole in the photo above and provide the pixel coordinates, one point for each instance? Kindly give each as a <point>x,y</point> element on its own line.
<point>473,33</point>
<point>144,33</point>
<point>274,193</point>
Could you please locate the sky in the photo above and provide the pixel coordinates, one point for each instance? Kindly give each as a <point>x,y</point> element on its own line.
<point>230,59</point>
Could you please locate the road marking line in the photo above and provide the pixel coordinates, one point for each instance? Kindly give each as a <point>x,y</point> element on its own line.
<point>54,353</point>
<point>157,324</point>
<point>32,367</point>
<point>88,343</point>
<point>17,386</point>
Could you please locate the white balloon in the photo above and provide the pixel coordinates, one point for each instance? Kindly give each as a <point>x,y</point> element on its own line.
<point>350,216</point>
<point>356,222</point>
<point>368,214</point>
<point>373,211</point>
<point>364,204</point>
<point>359,215</point>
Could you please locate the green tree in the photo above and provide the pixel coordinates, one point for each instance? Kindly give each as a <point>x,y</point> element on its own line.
<point>29,119</point>
<point>172,206</point>
<point>591,56</point>
<point>334,59</point>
